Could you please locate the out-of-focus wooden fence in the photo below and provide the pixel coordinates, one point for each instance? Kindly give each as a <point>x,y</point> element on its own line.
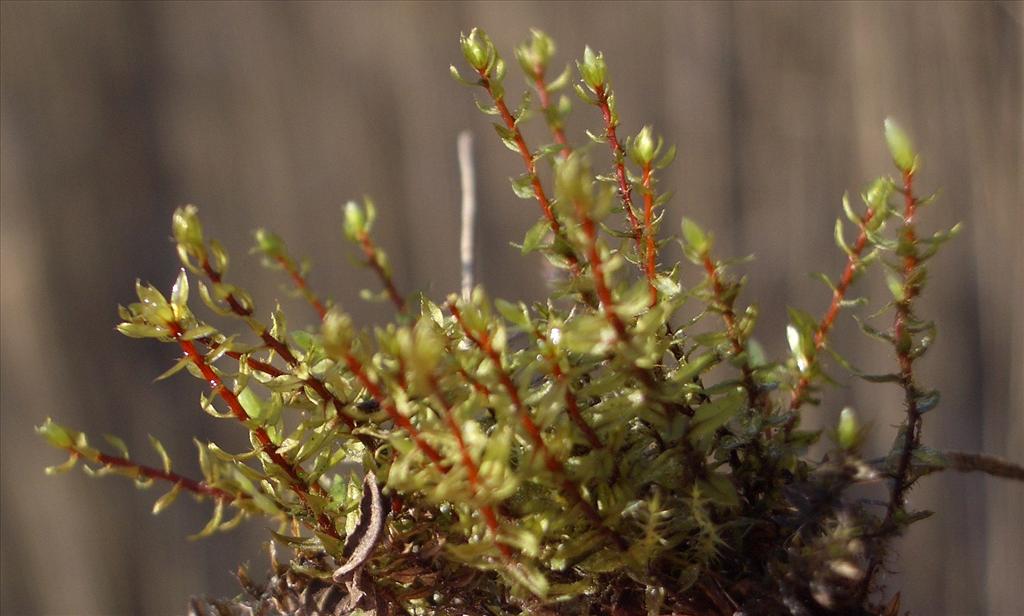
<point>273,114</point>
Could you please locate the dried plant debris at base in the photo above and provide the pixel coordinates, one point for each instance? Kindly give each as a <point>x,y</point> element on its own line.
<point>624,447</point>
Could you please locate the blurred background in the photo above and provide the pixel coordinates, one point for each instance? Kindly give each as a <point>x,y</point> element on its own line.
<point>273,114</point>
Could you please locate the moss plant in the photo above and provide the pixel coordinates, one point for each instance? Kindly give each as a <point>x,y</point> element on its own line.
<point>621,448</point>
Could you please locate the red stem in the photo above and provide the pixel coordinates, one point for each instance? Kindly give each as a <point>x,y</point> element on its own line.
<point>296,482</point>
<point>278,346</point>
<point>302,285</point>
<point>471,468</point>
<point>604,294</point>
<point>475,383</point>
<point>838,295</point>
<point>650,262</point>
<point>356,367</point>
<point>250,361</point>
<point>545,104</point>
<point>554,466</point>
<point>906,362</point>
<point>531,168</point>
<point>912,437</point>
<point>196,487</point>
<point>729,317</point>
<point>373,260</point>
<point>625,190</point>
<point>571,403</point>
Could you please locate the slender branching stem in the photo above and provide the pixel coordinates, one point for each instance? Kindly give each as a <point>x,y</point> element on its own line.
<point>619,154</point>
<point>302,285</point>
<point>359,370</point>
<point>253,363</point>
<point>604,293</point>
<point>199,488</point>
<point>650,241</point>
<point>297,483</point>
<point>277,345</point>
<point>531,166</point>
<point>472,470</point>
<point>572,491</point>
<point>571,404</point>
<point>724,302</point>
<point>374,260</point>
<point>902,343</point>
<point>544,96</point>
<point>901,323</point>
<point>853,262</point>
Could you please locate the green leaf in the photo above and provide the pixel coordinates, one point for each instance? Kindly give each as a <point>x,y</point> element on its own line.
<point>693,368</point>
<point>117,443</point>
<point>560,82</point>
<point>182,362</point>
<point>57,435</point>
<point>513,313</point>
<point>211,526</point>
<point>165,501</point>
<point>848,210</point>
<point>459,78</point>
<point>695,238</point>
<point>355,220</point>
<point>895,285</point>
<point>200,331</point>
<point>252,403</point>
<point>593,69</point>
<point>535,236</point>
<point>179,293</point>
<point>159,447</point>
<point>643,148</point>
<point>666,160</point>
<point>522,186</point>
<point>848,434</point>
<point>478,49</point>
<point>900,147</point>
<point>486,108</point>
<point>719,489</point>
<point>186,228</point>
<point>715,414</point>
<point>143,330</point>
<point>58,469</point>
<point>840,241</point>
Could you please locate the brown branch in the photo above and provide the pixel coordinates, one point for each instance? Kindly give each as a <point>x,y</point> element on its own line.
<point>982,463</point>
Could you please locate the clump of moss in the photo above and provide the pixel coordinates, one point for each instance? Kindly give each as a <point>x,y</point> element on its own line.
<point>623,447</point>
